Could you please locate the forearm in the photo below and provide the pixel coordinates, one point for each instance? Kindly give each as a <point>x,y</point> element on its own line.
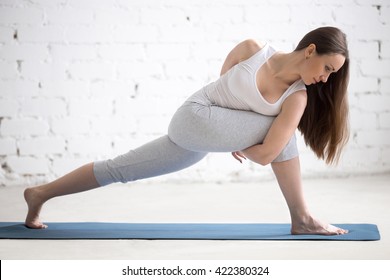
<point>258,154</point>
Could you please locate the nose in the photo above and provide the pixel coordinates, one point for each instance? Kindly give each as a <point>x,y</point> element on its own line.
<point>324,78</point>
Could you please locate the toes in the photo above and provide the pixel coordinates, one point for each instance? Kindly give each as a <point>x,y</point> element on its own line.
<point>36,225</point>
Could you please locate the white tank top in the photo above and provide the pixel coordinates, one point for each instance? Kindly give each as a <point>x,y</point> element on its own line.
<point>237,88</point>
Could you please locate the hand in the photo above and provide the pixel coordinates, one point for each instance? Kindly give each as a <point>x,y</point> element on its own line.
<point>238,156</point>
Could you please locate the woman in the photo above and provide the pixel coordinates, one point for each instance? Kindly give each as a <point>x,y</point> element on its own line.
<point>252,110</point>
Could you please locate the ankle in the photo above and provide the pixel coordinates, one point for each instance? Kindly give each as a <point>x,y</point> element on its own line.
<point>35,194</point>
<point>301,217</point>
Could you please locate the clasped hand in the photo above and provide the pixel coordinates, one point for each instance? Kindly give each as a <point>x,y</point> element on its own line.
<point>238,155</point>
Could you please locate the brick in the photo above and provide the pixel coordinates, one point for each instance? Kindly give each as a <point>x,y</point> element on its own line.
<point>211,50</point>
<point>124,88</point>
<point>162,17</point>
<point>385,13</point>
<point>43,107</point>
<point>91,70</point>
<point>71,126</point>
<point>8,107</point>
<point>41,146</point>
<point>187,69</point>
<point>23,127</point>
<point>153,125</point>
<point>117,16</point>
<point>12,52</point>
<point>8,70</point>
<point>114,125</point>
<point>136,34</point>
<point>64,88</point>
<point>122,51</point>
<point>374,103</point>
<point>7,146</point>
<point>354,14</point>
<point>233,14</point>
<point>370,2</point>
<point>373,138</point>
<point>363,84</point>
<point>20,15</point>
<point>6,34</point>
<point>352,158</point>
<point>62,166</point>
<point>173,89</point>
<point>361,120</point>
<point>384,120</point>
<point>43,34</point>
<point>263,14</point>
<point>371,31</point>
<point>322,15</point>
<point>18,88</point>
<point>68,16</point>
<point>72,52</point>
<point>139,70</point>
<point>89,34</point>
<point>88,4</point>
<point>376,68</point>
<point>358,49</point>
<point>39,70</point>
<point>28,165</point>
<point>124,144</point>
<point>90,146</point>
<point>49,3</point>
<point>182,34</point>
<point>168,51</point>
<point>91,107</point>
<point>385,50</point>
<point>385,86</point>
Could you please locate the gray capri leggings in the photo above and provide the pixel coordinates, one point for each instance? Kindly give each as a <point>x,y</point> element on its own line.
<point>195,129</point>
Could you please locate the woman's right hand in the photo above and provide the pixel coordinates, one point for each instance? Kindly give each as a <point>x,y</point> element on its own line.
<point>238,155</point>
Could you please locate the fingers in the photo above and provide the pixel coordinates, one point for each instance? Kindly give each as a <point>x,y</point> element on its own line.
<point>238,156</point>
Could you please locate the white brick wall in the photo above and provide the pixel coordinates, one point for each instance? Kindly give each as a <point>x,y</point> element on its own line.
<point>82,80</point>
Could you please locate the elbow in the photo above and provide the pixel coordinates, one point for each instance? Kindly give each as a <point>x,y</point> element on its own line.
<point>265,160</point>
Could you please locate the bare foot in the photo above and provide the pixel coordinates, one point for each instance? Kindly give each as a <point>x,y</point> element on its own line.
<point>313,226</point>
<point>34,203</point>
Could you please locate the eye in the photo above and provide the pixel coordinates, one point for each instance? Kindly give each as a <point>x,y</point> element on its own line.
<point>327,69</point>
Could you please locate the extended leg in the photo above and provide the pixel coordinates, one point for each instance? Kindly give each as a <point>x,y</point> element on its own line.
<point>158,157</point>
<point>288,175</point>
<point>79,180</point>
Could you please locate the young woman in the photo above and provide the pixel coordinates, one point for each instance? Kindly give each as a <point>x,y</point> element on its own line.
<point>252,110</point>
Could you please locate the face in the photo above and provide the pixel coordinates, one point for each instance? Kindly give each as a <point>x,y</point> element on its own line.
<point>317,68</point>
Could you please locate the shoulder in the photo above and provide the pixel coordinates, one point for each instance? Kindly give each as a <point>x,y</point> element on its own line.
<point>295,103</point>
<point>249,47</point>
<point>246,49</point>
<point>253,44</point>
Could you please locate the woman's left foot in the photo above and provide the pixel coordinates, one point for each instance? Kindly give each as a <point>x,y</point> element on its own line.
<point>34,203</point>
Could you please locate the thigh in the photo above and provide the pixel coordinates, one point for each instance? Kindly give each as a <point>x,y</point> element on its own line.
<point>215,129</point>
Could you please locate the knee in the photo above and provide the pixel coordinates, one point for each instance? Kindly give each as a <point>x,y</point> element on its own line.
<point>290,151</point>
<point>107,172</point>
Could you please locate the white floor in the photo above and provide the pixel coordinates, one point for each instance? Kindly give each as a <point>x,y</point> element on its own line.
<point>348,200</point>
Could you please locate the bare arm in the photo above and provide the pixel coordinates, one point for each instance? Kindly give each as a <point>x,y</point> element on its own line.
<point>242,51</point>
<point>281,131</point>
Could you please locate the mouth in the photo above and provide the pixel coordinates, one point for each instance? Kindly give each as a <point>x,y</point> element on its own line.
<point>315,81</point>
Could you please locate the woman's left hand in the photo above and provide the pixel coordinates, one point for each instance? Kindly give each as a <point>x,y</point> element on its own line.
<point>238,156</point>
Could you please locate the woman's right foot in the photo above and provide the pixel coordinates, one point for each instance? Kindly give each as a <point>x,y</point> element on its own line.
<point>34,203</point>
<point>313,226</point>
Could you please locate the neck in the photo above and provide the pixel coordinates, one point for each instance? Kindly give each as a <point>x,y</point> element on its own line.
<point>286,66</point>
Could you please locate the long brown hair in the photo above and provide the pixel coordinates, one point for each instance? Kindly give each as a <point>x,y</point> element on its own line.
<point>324,124</point>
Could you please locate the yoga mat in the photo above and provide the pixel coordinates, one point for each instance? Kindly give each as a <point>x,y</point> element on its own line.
<point>178,231</point>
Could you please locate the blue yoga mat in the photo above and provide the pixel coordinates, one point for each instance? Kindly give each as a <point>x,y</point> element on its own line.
<point>178,231</point>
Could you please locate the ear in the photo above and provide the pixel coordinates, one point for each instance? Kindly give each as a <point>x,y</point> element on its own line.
<point>310,50</point>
